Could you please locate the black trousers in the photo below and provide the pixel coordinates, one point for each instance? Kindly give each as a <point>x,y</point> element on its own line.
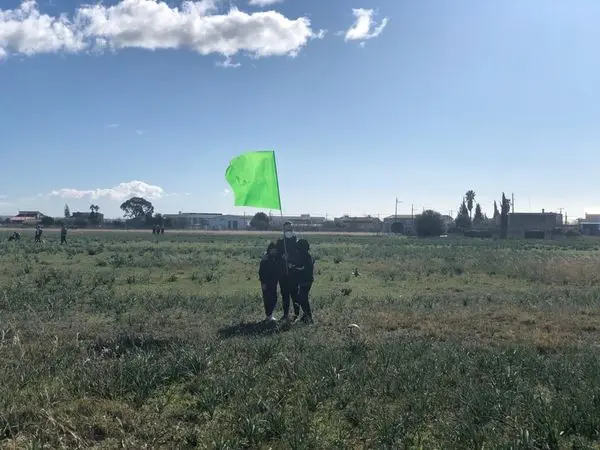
<point>270,297</point>
<point>303,291</point>
<point>63,239</point>
<point>289,290</point>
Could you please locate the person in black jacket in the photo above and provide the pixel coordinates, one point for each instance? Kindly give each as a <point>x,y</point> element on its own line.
<point>269,274</point>
<point>304,274</point>
<point>287,282</point>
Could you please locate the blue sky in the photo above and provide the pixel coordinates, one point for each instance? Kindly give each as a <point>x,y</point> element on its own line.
<point>427,100</point>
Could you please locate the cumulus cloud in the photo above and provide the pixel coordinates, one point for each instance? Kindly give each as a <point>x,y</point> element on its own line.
<point>364,26</point>
<point>26,31</point>
<point>120,192</point>
<point>263,3</point>
<point>153,25</point>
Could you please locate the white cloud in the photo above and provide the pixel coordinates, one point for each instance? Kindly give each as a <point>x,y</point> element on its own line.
<point>140,132</point>
<point>112,125</point>
<point>152,25</point>
<point>364,26</point>
<point>26,31</point>
<point>263,3</point>
<point>119,192</point>
<point>228,64</point>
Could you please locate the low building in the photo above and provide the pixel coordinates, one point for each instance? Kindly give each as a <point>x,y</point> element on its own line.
<point>520,224</point>
<point>191,221</point>
<point>366,224</point>
<point>27,218</point>
<point>208,221</point>
<point>304,222</point>
<point>87,218</point>
<point>227,222</point>
<point>590,225</point>
<point>400,224</point>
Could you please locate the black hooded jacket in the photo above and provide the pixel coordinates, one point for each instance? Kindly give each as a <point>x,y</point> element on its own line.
<point>289,246</point>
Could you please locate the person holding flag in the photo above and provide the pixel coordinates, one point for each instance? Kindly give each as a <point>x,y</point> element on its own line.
<point>254,181</point>
<point>288,283</point>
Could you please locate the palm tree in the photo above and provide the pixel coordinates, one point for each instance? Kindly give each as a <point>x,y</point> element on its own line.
<point>94,212</point>
<point>470,197</point>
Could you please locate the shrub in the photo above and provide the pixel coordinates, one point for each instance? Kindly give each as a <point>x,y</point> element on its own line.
<point>430,223</point>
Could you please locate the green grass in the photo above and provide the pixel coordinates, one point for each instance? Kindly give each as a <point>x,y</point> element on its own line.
<point>126,340</point>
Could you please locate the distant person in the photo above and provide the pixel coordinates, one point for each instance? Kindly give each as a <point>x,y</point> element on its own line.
<point>287,282</point>
<point>63,235</point>
<point>269,273</point>
<point>303,272</point>
<point>154,229</point>
<point>38,235</point>
<point>162,230</point>
<point>16,236</point>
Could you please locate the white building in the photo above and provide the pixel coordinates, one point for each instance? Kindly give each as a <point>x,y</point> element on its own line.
<point>208,221</point>
<point>303,221</point>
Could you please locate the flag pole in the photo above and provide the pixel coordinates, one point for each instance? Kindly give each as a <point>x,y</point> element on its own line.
<point>281,213</point>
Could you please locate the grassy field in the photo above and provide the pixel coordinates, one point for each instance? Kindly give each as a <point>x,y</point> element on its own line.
<point>126,340</point>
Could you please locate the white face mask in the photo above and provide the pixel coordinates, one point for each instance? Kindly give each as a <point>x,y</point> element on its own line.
<point>289,234</point>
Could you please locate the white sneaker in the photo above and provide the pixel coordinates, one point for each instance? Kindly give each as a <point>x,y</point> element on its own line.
<point>271,319</point>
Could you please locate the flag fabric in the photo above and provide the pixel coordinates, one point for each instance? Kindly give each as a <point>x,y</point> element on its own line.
<point>253,179</point>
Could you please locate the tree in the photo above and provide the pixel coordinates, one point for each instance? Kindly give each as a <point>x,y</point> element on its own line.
<point>470,197</point>
<point>463,221</point>
<point>479,217</point>
<point>504,209</point>
<point>137,208</point>
<point>67,212</point>
<point>260,221</point>
<point>430,223</point>
<point>496,212</point>
<point>47,221</point>
<point>159,219</point>
<point>94,214</point>
<point>397,228</point>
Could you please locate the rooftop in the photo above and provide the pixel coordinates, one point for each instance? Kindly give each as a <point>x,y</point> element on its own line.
<point>400,216</point>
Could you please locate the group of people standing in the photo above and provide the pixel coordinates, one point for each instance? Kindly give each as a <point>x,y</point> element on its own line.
<point>287,263</point>
<point>37,237</point>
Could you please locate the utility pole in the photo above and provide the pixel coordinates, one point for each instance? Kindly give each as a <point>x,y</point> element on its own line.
<point>396,209</point>
<point>513,203</point>
<point>560,210</point>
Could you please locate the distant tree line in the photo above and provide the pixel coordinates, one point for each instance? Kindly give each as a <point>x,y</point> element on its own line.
<point>138,211</point>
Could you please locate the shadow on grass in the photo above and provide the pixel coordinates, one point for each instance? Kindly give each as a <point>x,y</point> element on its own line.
<point>261,328</point>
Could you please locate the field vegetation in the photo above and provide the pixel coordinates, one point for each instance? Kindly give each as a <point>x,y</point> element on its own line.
<point>128,340</point>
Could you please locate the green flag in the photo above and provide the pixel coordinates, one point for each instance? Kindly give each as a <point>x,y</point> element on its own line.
<point>253,179</point>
